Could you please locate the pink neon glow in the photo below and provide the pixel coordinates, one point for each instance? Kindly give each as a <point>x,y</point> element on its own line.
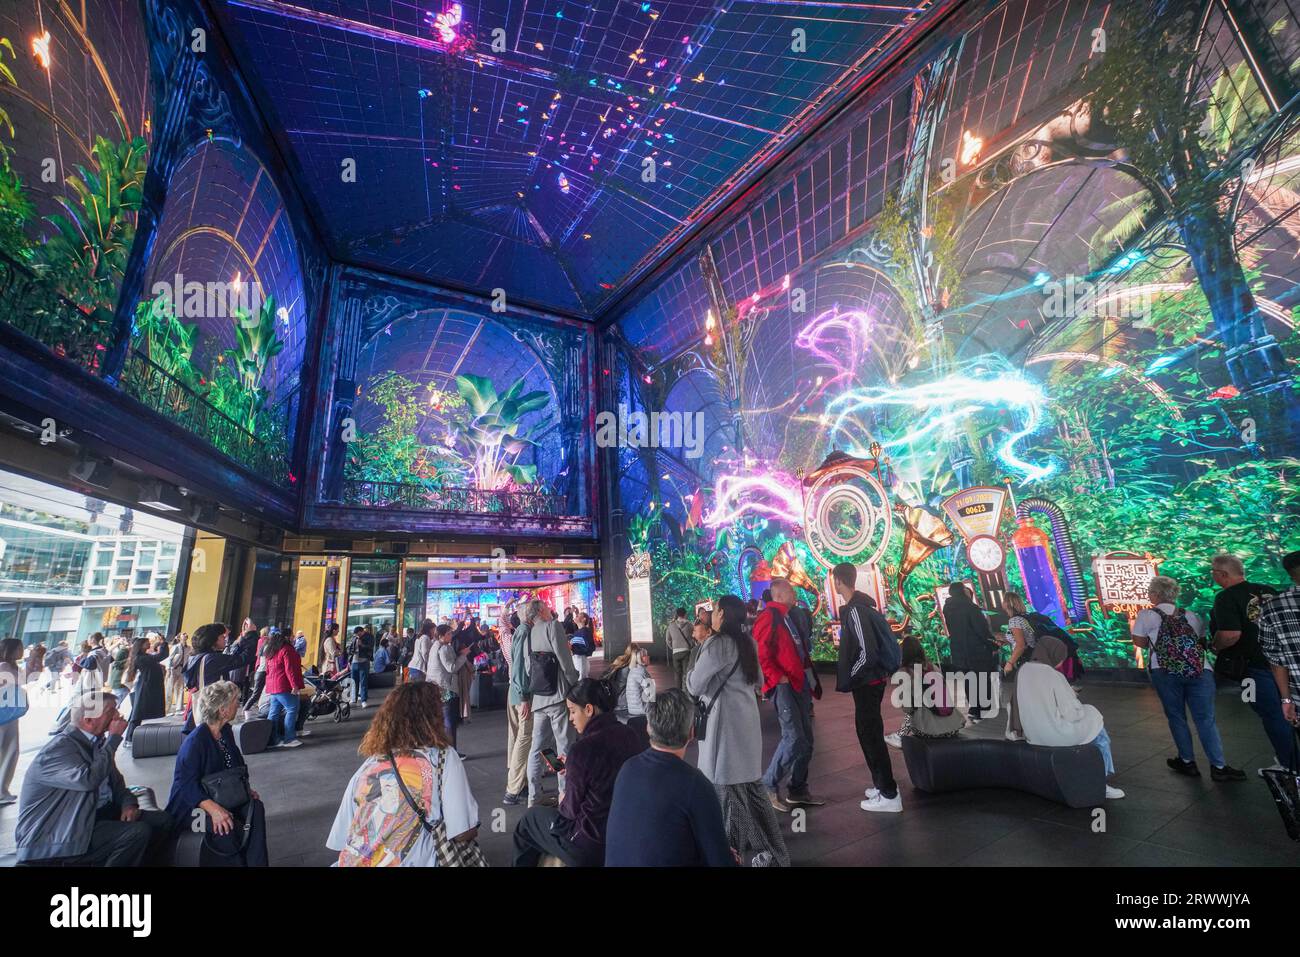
<point>447,22</point>
<point>774,495</point>
<point>839,339</point>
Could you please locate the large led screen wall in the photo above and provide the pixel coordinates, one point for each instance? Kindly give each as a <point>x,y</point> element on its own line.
<point>992,328</point>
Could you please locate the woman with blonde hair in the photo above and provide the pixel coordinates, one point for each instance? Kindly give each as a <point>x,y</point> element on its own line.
<point>1022,643</point>
<point>411,784</point>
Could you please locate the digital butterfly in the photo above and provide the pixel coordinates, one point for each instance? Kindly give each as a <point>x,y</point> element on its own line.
<point>447,22</point>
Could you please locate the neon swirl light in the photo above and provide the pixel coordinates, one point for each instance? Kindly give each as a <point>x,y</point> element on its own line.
<point>773,495</point>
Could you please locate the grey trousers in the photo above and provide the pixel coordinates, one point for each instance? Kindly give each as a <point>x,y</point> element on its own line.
<point>551,726</point>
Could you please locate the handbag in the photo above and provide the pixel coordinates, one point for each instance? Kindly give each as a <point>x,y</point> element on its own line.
<point>450,853</point>
<point>703,707</point>
<point>228,787</point>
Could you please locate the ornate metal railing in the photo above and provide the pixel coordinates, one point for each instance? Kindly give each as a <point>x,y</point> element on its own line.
<point>31,305</point>
<point>149,384</point>
<point>460,501</point>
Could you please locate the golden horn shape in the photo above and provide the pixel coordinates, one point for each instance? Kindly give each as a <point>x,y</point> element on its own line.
<point>924,534</point>
<point>786,564</point>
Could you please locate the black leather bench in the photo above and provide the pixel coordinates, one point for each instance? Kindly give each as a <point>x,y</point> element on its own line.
<point>157,738</point>
<point>253,735</point>
<point>1075,777</point>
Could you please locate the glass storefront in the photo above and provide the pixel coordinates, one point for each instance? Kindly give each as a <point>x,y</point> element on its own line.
<point>71,565</point>
<point>372,593</point>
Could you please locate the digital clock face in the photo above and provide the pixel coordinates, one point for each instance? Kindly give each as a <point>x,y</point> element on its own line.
<point>985,554</point>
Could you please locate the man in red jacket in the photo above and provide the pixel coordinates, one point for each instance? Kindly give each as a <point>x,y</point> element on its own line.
<point>785,668</point>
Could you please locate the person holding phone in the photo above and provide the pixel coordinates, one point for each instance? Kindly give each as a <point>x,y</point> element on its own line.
<point>575,831</point>
<point>446,665</point>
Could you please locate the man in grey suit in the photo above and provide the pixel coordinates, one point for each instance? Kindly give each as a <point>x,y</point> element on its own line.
<point>75,807</point>
<point>550,716</point>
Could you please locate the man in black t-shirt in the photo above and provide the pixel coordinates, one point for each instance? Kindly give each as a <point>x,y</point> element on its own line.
<point>1239,658</point>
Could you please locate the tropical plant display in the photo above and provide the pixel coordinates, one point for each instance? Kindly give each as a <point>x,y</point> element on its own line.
<point>469,437</point>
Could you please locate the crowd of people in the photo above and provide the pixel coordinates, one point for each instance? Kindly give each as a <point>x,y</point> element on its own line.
<point>616,745</point>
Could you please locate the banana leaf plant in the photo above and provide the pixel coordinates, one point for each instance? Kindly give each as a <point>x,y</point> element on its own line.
<point>495,431</point>
<point>168,342</point>
<point>15,208</point>
<point>256,344</point>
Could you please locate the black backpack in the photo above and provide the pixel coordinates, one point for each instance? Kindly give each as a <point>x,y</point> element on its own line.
<point>543,671</point>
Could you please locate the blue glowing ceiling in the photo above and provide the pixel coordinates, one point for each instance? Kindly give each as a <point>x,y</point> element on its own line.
<point>523,167</point>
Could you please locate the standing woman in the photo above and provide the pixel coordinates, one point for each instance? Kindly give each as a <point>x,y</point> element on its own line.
<point>176,672</point>
<point>465,645</point>
<point>582,643</point>
<point>639,693</point>
<point>35,662</point>
<point>116,670</point>
<point>418,669</point>
<point>446,665</point>
<point>144,671</point>
<point>283,681</point>
<point>11,682</point>
<point>1022,649</point>
<point>726,677</point>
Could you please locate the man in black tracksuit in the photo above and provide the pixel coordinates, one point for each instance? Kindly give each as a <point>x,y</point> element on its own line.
<point>863,672</point>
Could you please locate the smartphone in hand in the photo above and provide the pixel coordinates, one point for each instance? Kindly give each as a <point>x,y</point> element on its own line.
<point>553,760</point>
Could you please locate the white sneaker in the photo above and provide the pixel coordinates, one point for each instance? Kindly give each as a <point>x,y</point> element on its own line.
<point>8,799</point>
<point>870,793</point>
<point>1015,736</point>
<point>1113,794</point>
<point>365,704</point>
<point>295,743</point>
<point>303,733</point>
<point>881,803</point>
<point>1277,766</point>
<point>894,740</point>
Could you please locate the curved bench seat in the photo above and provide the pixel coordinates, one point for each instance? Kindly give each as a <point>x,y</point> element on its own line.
<point>1075,777</point>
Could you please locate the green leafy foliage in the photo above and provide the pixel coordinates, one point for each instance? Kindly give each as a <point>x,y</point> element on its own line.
<point>495,432</point>
<point>87,254</point>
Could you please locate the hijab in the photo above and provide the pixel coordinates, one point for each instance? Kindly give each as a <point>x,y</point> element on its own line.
<point>1050,651</point>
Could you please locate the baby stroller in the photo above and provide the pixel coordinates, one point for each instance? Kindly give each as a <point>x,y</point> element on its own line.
<point>328,698</point>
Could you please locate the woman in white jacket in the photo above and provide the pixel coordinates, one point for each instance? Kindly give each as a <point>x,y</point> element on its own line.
<point>1051,712</point>
<point>418,669</point>
<point>640,691</point>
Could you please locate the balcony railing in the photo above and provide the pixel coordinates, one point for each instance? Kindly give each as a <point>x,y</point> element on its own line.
<point>150,385</point>
<point>460,501</point>
<point>32,306</point>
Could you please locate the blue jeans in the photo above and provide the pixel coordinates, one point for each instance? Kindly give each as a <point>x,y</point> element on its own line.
<point>1268,705</point>
<point>794,753</point>
<point>361,679</point>
<point>1102,741</point>
<point>1177,694</point>
<point>451,717</point>
<point>288,705</point>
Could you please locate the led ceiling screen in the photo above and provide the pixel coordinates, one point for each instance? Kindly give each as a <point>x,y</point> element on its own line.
<point>546,147</point>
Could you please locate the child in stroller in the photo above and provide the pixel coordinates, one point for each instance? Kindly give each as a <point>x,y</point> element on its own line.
<point>329,698</point>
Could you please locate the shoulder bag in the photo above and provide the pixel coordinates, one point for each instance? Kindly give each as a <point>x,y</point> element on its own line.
<point>703,706</point>
<point>450,853</point>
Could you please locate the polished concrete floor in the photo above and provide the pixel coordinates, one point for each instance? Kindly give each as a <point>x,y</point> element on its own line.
<point>1166,819</point>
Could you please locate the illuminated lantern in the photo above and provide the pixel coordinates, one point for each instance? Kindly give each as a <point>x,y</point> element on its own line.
<point>1042,586</point>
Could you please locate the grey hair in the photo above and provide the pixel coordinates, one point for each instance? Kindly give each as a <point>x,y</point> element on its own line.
<point>214,699</point>
<point>1228,563</point>
<point>91,704</point>
<point>670,718</point>
<point>532,611</point>
<point>1164,589</point>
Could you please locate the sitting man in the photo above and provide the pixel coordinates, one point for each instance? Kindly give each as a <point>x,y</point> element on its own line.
<point>74,807</point>
<point>575,831</point>
<point>665,812</point>
<point>383,658</point>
